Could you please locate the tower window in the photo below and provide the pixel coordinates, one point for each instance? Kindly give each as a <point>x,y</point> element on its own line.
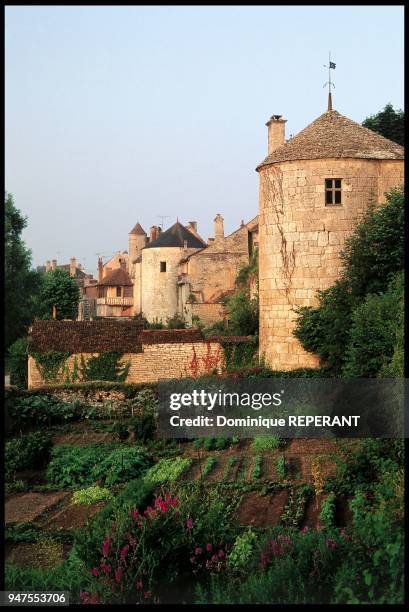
<point>163,266</point>
<point>333,192</point>
<point>118,292</point>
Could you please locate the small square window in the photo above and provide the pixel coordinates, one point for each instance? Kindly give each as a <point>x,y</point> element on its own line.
<point>333,192</point>
<point>163,266</point>
<point>118,292</point>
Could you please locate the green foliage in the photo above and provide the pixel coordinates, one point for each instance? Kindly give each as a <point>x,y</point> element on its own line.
<point>281,467</point>
<point>28,452</point>
<point>327,514</point>
<point>72,466</point>
<point>105,366</point>
<point>294,510</point>
<point>144,426</point>
<point>248,273</point>
<point>167,470</point>
<point>372,257</point>
<point>209,465</point>
<point>257,467</point>
<point>91,495</point>
<point>266,443</point>
<point>18,363</point>
<point>240,354</point>
<point>21,283</point>
<point>32,410</point>
<point>389,122</point>
<point>228,466</point>
<point>60,290</point>
<point>120,430</point>
<point>376,325</point>
<point>242,314</point>
<point>176,322</point>
<point>50,364</point>
<point>242,551</point>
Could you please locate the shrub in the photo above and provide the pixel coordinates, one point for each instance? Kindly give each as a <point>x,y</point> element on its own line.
<point>31,409</point>
<point>28,452</point>
<point>18,363</point>
<point>121,465</point>
<point>91,495</point>
<point>209,465</point>
<point>281,467</point>
<point>120,430</point>
<point>167,470</point>
<point>257,467</point>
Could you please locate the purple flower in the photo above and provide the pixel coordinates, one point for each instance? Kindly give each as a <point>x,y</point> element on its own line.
<point>209,547</point>
<point>189,523</point>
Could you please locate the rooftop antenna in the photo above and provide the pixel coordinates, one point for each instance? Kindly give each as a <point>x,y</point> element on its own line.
<point>162,217</point>
<point>331,66</point>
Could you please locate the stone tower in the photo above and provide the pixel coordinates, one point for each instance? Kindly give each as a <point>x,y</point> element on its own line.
<point>160,270</point>
<point>313,188</point>
<point>136,242</point>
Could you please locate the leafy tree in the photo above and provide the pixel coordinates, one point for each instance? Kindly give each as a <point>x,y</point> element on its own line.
<point>22,284</point>
<point>389,122</point>
<point>60,290</point>
<point>376,325</point>
<point>243,314</point>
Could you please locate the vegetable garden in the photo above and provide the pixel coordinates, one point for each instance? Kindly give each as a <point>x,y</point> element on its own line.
<point>98,505</point>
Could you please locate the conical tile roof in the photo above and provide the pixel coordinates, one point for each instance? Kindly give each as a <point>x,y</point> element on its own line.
<point>332,135</point>
<point>176,236</point>
<point>138,230</point>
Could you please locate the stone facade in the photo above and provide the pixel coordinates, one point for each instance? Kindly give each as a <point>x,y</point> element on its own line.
<point>300,237</point>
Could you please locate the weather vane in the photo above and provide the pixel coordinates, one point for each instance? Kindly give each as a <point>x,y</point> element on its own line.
<point>331,66</point>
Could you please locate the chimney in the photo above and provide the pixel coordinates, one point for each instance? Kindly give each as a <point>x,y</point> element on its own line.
<point>276,132</point>
<point>53,264</point>
<point>185,245</point>
<point>218,227</point>
<point>73,266</point>
<point>193,226</point>
<point>154,232</point>
<point>100,270</point>
<point>47,265</point>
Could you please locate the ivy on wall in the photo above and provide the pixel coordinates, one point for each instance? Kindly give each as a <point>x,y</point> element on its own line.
<point>105,366</point>
<point>50,364</point>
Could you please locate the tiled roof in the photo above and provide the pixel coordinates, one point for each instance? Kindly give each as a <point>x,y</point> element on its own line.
<point>117,278</point>
<point>162,336</point>
<point>138,230</point>
<point>331,136</point>
<point>176,236</point>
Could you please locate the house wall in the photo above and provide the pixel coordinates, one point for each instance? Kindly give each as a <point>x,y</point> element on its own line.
<point>300,240</point>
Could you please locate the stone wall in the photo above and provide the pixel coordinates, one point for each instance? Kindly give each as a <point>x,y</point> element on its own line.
<point>206,312</point>
<point>156,361</point>
<point>300,240</point>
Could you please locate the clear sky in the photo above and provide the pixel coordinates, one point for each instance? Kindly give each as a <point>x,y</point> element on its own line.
<point>118,114</point>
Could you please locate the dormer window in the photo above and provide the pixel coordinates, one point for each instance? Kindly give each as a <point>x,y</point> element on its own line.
<point>333,192</point>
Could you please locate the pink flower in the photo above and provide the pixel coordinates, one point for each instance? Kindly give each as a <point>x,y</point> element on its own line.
<point>118,574</point>
<point>94,598</point>
<point>105,548</point>
<point>147,594</point>
<point>331,543</point>
<point>189,523</point>
<point>221,553</point>
<point>214,558</point>
<point>192,559</point>
<point>139,585</point>
<point>84,596</point>
<point>209,547</point>
<point>198,550</point>
<point>305,529</point>
<point>95,571</point>
<point>106,568</point>
<point>124,551</point>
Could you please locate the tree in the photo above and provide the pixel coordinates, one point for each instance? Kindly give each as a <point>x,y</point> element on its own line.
<point>389,123</point>
<point>22,284</point>
<point>60,291</point>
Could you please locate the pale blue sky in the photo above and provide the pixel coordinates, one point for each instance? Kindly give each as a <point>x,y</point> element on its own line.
<point>120,114</point>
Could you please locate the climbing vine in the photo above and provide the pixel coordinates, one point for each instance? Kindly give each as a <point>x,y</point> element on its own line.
<point>50,364</point>
<point>272,186</point>
<point>240,354</point>
<point>105,366</point>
